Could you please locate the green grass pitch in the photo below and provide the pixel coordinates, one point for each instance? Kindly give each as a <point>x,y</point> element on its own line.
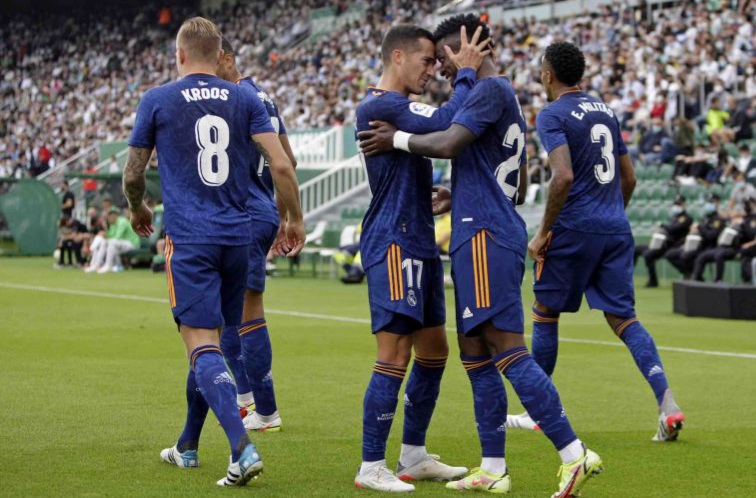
<point>92,388</point>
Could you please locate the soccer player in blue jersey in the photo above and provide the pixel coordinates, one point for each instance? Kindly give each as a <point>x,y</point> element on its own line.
<point>486,141</point>
<point>201,126</point>
<point>584,244</point>
<point>401,260</point>
<point>247,348</point>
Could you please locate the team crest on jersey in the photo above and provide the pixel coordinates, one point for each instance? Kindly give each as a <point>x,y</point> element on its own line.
<point>411,298</point>
<point>421,109</point>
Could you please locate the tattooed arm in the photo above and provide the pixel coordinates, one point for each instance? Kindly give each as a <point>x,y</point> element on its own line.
<point>287,189</point>
<point>134,185</point>
<point>560,163</point>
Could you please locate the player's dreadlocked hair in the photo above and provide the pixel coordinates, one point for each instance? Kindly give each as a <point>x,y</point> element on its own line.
<point>567,61</point>
<point>452,25</point>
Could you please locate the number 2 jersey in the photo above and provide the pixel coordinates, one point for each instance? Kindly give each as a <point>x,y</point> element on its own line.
<point>201,126</point>
<point>591,130</point>
<point>261,204</point>
<point>400,211</point>
<point>485,176</point>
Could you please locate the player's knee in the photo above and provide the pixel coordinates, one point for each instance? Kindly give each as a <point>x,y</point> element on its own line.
<point>539,306</point>
<point>613,320</point>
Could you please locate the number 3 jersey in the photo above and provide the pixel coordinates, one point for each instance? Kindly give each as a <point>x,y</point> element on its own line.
<point>590,129</point>
<point>485,176</point>
<point>201,126</point>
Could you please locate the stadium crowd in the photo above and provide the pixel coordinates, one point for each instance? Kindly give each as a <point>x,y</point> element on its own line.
<point>73,79</point>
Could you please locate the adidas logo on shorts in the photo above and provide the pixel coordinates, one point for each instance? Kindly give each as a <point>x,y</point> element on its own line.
<point>467,313</point>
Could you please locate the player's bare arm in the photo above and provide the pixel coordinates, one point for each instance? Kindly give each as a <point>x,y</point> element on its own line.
<point>560,162</point>
<point>627,178</point>
<point>280,241</point>
<point>442,144</point>
<point>134,186</point>
<point>287,189</point>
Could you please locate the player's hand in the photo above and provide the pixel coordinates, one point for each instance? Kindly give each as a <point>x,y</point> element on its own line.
<point>538,245</point>
<point>378,140</point>
<point>141,220</point>
<point>441,200</point>
<point>471,53</point>
<point>279,244</point>
<point>295,237</point>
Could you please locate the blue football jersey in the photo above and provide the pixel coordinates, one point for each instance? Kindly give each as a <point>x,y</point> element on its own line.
<point>590,129</point>
<point>262,205</point>
<point>201,126</point>
<point>400,211</point>
<point>485,176</point>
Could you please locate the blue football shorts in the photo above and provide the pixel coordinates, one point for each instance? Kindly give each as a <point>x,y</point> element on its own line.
<point>406,293</point>
<point>597,265</point>
<point>263,236</point>
<point>487,285</point>
<point>206,283</point>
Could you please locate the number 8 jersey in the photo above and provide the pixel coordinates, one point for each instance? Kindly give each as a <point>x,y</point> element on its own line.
<point>201,126</point>
<point>591,130</point>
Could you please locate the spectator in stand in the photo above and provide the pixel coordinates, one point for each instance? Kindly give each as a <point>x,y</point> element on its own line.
<point>666,238</point>
<point>740,196</point>
<point>683,258</point>
<point>539,173</point>
<point>650,146</point>
<point>442,228</point>
<point>682,142</point>
<point>695,167</point>
<point>68,202</point>
<point>89,185</point>
<point>120,238</point>
<point>716,118</point>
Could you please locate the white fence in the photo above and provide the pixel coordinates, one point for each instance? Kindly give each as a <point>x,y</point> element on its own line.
<point>333,186</point>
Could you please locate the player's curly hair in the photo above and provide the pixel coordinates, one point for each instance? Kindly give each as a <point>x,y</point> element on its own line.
<point>567,61</point>
<point>452,25</point>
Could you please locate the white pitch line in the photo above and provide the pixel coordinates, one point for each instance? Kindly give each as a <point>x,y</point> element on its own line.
<point>347,319</point>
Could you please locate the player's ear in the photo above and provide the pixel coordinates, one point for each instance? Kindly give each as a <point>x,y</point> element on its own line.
<point>397,56</point>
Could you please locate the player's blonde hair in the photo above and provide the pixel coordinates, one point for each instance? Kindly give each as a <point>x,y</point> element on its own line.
<point>200,39</point>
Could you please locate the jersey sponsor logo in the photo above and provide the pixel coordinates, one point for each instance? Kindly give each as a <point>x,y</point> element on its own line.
<point>467,313</point>
<point>411,298</point>
<point>421,109</point>
<point>195,94</point>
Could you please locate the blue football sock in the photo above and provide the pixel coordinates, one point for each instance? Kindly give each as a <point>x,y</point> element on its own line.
<point>421,394</point>
<point>217,386</point>
<point>258,360</point>
<point>196,412</point>
<point>545,340</point>
<point>231,346</point>
<point>490,402</point>
<point>379,408</point>
<point>537,394</point>
<point>642,347</point>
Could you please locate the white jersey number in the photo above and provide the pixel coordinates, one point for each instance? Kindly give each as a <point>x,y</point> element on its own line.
<point>407,265</point>
<point>263,163</point>
<point>514,134</point>
<point>604,172</point>
<point>212,137</point>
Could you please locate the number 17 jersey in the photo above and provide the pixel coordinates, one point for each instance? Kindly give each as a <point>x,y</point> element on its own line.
<point>592,133</point>
<point>201,126</point>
